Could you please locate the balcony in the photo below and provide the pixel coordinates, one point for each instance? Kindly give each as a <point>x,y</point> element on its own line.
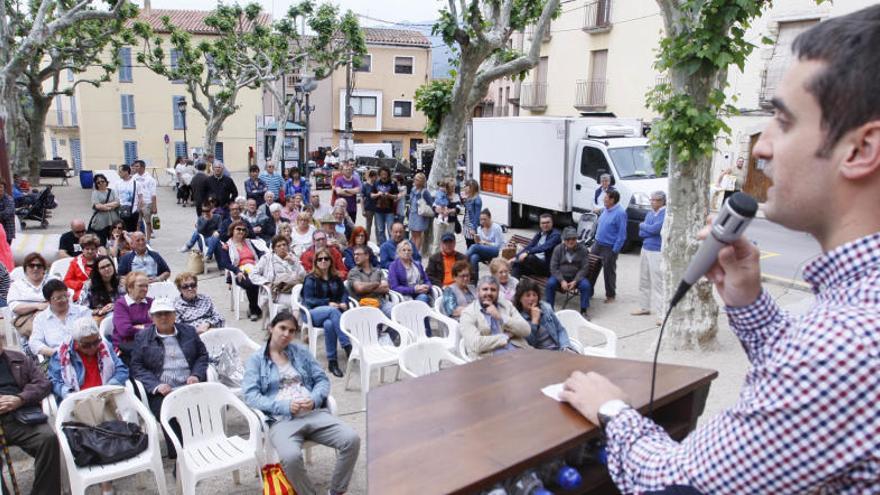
<point>597,18</point>
<point>530,32</point>
<point>61,119</point>
<point>590,94</point>
<point>533,96</point>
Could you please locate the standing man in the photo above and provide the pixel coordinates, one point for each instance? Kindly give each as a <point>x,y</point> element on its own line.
<point>272,179</point>
<point>807,416</point>
<point>199,186</point>
<point>650,277</point>
<point>254,188</point>
<point>732,179</point>
<point>534,259</point>
<point>145,196</point>
<point>221,187</point>
<point>610,236</point>
<point>125,191</point>
<point>369,204</point>
<point>348,186</point>
<point>601,191</point>
<point>384,193</point>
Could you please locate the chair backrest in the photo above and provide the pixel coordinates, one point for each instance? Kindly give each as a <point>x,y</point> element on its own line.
<point>59,268</point>
<point>198,409</point>
<point>361,324</point>
<point>107,326</point>
<point>578,327</point>
<point>412,314</point>
<point>425,357</point>
<point>373,247</point>
<point>261,245</point>
<point>125,401</point>
<point>164,289</point>
<point>216,337</point>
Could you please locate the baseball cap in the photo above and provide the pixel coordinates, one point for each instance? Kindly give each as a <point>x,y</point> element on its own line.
<point>449,236</point>
<point>160,305</point>
<point>569,233</point>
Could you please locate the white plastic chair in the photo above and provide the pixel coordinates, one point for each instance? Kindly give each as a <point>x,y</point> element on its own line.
<point>17,273</point>
<point>361,325</point>
<point>10,334</point>
<point>573,323</point>
<point>412,314</point>
<point>375,248</point>
<point>236,294</point>
<point>163,290</point>
<point>59,268</point>
<point>270,455</point>
<point>106,327</point>
<point>305,319</point>
<point>462,352</point>
<point>214,340</point>
<point>425,357</point>
<point>148,460</point>
<point>207,450</point>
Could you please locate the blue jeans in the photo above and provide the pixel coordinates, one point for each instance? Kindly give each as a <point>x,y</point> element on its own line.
<point>329,318</point>
<point>383,226</point>
<point>478,252</point>
<point>584,287</point>
<point>211,241</point>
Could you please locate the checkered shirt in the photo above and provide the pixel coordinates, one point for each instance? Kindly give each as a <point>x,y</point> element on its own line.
<point>198,310</point>
<point>808,417</point>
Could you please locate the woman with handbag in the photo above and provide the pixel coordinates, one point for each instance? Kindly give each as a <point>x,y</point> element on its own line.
<point>101,289</point>
<point>25,297</point>
<point>285,382</point>
<point>421,211</point>
<point>104,204</point>
<point>281,270</point>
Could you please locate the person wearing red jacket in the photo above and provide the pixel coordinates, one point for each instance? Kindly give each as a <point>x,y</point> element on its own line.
<point>79,269</point>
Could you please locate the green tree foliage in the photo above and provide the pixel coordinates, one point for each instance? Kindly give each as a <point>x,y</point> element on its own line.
<point>434,100</point>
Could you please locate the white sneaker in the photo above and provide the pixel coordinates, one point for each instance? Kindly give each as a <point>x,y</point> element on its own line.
<point>183,249</point>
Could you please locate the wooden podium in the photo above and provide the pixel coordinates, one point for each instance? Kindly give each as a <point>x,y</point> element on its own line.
<point>468,427</point>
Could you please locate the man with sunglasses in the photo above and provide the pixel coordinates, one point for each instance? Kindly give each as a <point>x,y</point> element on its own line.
<point>319,241</point>
<point>68,245</point>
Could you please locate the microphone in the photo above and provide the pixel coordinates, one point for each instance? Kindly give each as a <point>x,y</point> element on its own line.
<point>733,218</point>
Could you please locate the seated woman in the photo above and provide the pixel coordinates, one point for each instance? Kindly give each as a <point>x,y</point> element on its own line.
<point>86,360</point>
<point>25,298</point>
<point>131,313</point>
<point>52,326</point>
<point>358,237</point>
<point>301,236</point>
<point>488,241</point>
<point>240,256</point>
<point>102,289</point>
<point>460,293</point>
<point>206,226</point>
<point>325,297</point>
<point>547,330</point>
<point>194,309</point>
<point>167,355</point>
<point>344,225</point>
<point>79,269</point>
<point>118,242</point>
<point>406,276</point>
<point>272,224</point>
<point>280,269</point>
<point>292,207</point>
<point>500,269</point>
<point>287,384</point>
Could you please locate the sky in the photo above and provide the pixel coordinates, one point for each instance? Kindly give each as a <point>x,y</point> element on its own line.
<point>385,10</point>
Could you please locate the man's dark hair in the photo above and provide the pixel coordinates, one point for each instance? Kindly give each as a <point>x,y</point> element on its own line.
<point>614,195</point>
<point>254,168</point>
<point>125,168</point>
<point>486,212</point>
<point>201,166</point>
<point>139,162</point>
<point>546,215</point>
<point>846,89</point>
<point>53,286</point>
<point>385,168</point>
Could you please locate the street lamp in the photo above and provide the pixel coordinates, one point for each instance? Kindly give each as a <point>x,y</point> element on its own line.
<point>301,98</point>
<point>181,107</point>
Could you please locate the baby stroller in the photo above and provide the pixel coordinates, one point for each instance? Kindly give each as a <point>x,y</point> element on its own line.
<point>39,209</point>
<point>586,229</point>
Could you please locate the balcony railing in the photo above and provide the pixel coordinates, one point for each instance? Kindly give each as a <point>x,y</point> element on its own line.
<point>530,32</point>
<point>61,119</point>
<point>533,96</point>
<point>598,16</point>
<point>590,94</point>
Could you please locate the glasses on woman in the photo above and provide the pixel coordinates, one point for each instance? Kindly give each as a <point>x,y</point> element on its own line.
<point>323,258</point>
<point>189,286</point>
<point>240,229</point>
<point>36,266</point>
<point>117,227</point>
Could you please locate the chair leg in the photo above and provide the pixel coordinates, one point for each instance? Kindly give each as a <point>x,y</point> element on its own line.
<point>347,377</point>
<point>236,478</point>
<point>381,375</point>
<point>159,474</point>
<point>365,382</point>
<point>313,341</point>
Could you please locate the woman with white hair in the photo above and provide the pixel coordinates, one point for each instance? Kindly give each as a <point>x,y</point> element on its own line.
<point>272,225</point>
<point>85,360</point>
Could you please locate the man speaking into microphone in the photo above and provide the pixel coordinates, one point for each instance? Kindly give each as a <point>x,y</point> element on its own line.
<point>808,417</point>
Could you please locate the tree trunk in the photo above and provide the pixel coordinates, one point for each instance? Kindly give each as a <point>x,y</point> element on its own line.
<point>281,127</point>
<point>36,149</point>
<point>694,322</point>
<point>212,130</point>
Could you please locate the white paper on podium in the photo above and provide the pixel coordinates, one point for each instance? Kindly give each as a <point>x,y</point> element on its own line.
<point>553,391</point>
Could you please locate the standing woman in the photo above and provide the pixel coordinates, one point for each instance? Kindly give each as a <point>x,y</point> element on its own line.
<point>325,297</point>
<point>473,205</point>
<point>418,223</point>
<point>104,204</point>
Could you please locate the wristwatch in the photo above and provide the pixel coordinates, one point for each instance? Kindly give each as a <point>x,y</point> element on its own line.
<point>609,410</point>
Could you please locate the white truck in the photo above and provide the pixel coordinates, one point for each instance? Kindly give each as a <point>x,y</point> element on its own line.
<point>530,165</point>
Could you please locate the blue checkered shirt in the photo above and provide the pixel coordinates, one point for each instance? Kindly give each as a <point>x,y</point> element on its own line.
<point>196,311</point>
<point>808,417</point>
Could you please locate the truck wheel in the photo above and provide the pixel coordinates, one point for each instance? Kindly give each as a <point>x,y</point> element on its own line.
<point>562,220</point>
<point>519,215</point>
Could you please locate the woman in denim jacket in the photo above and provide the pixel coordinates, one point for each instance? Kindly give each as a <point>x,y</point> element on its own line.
<point>547,330</point>
<point>289,386</point>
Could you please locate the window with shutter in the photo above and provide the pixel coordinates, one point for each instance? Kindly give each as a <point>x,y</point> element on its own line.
<point>76,154</point>
<point>127,102</point>
<point>179,149</point>
<point>54,142</point>
<point>218,151</point>
<point>125,64</point>
<point>74,120</point>
<point>403,65</point>
<point>130,149</point>
<point>59,110</point>
<point>175,56</point>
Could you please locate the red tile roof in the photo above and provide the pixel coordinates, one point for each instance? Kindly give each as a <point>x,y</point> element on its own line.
<point>192,21</point>
<point>398,37</point>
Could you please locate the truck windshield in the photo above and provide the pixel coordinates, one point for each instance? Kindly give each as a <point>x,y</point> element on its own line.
<point>633,162</point>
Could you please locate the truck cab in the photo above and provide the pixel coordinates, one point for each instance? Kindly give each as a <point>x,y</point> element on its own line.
<point>617,151</point>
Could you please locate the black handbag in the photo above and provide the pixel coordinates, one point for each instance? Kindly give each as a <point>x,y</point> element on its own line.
<point>30,415</point>
<point>106,443</point>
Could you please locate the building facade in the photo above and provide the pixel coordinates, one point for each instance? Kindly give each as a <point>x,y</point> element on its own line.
<point>130,116</point>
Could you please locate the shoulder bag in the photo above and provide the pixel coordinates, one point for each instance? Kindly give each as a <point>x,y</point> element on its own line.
<point>106,443</point>
<point>424,209</point>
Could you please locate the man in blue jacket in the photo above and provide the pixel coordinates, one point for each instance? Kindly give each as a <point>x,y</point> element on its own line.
<point>534,259</point>
<point>141,259</point>
<point>610,236</point>
<point>650,278</point>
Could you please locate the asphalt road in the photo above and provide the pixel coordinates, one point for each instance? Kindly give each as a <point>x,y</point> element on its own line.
<point>784,252</point>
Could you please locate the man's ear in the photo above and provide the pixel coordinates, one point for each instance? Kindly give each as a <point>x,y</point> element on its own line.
<point>863,156</point>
